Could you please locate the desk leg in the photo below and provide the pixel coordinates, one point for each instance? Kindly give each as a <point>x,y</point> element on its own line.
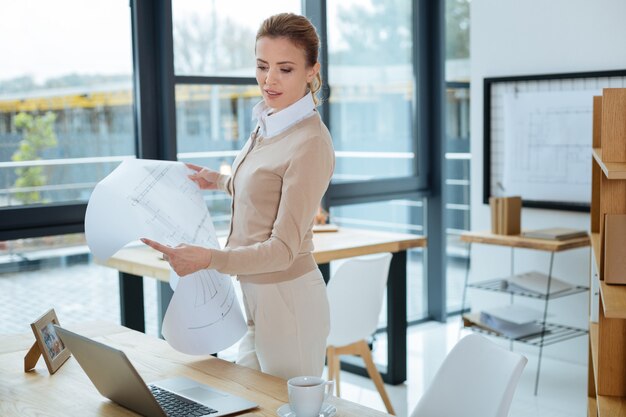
<point>131,301</point>
<point>396,320</point>
<point>325,270</point>
<point>164,295</point>
<point>395,372</point>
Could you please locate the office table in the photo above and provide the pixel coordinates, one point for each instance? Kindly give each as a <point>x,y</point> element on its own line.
<point>137,262</point>
<point>69,392</point>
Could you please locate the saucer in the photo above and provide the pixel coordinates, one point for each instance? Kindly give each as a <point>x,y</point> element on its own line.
<point>328,410</point>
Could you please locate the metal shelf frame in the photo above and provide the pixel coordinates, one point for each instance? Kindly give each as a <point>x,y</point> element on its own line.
<point>500,285</point>
<point>552,333</point>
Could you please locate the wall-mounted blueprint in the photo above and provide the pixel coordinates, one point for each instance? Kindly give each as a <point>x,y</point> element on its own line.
<point>547,145</point>
<point>155,199</point>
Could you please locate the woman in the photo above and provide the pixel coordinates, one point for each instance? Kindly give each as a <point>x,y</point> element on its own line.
<point>277,182</point>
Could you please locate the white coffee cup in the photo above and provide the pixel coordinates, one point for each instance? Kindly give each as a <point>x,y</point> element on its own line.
<point>307,394</point>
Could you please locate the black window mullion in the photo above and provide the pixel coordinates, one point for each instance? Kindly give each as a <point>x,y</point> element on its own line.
<point>370,191</point>
<point>153,65</point>
<point>36,221</point>
<point>208,80</point>
<point>429,33</point>
<point>315,11</point>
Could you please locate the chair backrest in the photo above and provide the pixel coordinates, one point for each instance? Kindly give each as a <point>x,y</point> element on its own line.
<point>355,294</point>
<point>477,379</point>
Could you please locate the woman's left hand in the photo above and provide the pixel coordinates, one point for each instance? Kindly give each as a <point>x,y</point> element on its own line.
<point>184,259</point>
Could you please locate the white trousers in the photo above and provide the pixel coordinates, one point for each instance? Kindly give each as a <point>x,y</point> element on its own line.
<point>288,323</point>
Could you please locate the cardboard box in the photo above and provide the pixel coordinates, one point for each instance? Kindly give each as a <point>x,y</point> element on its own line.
<point>506,214</point>
<point>513,217</point>
<point>494,215</point>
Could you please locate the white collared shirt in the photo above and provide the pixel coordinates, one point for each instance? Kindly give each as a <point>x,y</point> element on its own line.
<point>273,124</point>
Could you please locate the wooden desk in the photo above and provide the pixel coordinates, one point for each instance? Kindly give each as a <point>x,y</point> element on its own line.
<point>134,263</point>
<point>69,392</point>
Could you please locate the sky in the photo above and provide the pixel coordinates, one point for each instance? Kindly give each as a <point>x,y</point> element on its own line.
<point>51,38</point>
<point>46,38</point>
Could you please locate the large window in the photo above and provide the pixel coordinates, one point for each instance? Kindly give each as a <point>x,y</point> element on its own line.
<point>66,99</point>
<point>398,216</point>
<point>212,124</point>
<point>68,114</point>
<point>373,120</point>
<point>370,72</point>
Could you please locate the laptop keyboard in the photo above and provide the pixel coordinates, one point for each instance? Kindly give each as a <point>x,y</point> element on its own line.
<point>177,406</point>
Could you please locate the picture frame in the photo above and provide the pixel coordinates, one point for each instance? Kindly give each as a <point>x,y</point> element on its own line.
<point>47,344</point>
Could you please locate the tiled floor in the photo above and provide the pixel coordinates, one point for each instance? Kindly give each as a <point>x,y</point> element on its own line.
<point>86,292</point>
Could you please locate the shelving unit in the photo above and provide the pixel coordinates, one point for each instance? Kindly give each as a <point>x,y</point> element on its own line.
<point>551,332</point>
<point>607,337</point>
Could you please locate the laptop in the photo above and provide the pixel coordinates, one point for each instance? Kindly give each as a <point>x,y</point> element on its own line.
<point>117,379</point>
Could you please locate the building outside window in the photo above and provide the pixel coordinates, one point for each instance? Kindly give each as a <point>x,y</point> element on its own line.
<point>66,103</point>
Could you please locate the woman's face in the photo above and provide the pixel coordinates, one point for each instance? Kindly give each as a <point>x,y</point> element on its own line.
<point>281,72</point>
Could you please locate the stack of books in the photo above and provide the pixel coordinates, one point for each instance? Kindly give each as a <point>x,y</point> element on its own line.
<point>506,215</point>
<point>555,233</point>
<point>513,321</point>
<point>535,283</point>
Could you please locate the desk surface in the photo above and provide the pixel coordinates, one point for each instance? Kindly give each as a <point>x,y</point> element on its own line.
<point>69,391</point>
<point>345,243</point>
<point>520,241</point>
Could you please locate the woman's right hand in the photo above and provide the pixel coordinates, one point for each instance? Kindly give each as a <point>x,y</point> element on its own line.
<point>204,177</point>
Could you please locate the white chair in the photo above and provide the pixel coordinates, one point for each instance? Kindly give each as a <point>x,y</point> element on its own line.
<point>355,293</point>
<point>477,379</point>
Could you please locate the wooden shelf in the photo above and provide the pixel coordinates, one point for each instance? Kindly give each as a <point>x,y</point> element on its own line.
<point>614,300</point>
<point>611,406</point>
<point>612,170</point>
<point>592,407</point>
<point>607,406</point>
<point>520,241</point>
<point>595,245</point>
<point>593,339</point>
<point>607,338</point>
<point>613,296</point>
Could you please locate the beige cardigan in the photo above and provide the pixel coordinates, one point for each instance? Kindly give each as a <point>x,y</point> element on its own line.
<point>277,184</point>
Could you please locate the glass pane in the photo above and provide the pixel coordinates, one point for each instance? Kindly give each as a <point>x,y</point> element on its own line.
<point>457,40</point>
<point>399,216</point>
<point>371,81</point>
<point>65,99</point>
<point>458,156</point>
<point>457,189</point>
<point>217,37</point>
<point>212,124</point>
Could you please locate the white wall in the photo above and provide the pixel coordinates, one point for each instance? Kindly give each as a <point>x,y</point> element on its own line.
<point>523,37</point>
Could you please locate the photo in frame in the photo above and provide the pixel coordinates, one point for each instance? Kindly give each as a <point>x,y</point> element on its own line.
<point>47,344</point>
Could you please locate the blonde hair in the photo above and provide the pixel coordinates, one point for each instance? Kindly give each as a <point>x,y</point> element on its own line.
<point>299,30</point>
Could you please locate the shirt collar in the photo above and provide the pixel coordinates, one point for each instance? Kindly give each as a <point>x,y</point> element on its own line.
<point>273,124</point>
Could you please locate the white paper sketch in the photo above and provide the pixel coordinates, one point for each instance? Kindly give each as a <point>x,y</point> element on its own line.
<point>547,146</point>
<point>217,315</point>
<point>155,199</point>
